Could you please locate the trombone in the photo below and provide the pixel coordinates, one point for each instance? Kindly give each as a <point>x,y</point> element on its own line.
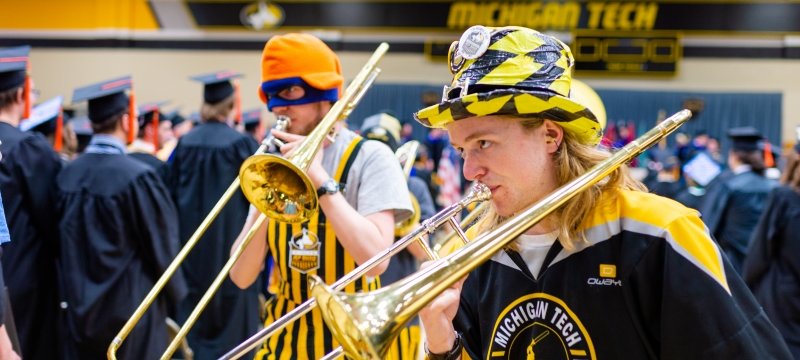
<point>279,188</point>
<point>282,123</point>
<point>479,193</point>
<point>366,324</point>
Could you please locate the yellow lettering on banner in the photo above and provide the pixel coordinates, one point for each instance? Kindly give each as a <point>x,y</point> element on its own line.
<point>534,18</point>
<point>486,12</point>
<point>535,15</point>
<point>621,16</point>
<point>595,13</point>
<point>505,14</point>
<point>551,14</point>
<point>571,15</point>
<point>625,11</point>
<point>460,14</point>
<point>645,18</point>
<point>610,16</point>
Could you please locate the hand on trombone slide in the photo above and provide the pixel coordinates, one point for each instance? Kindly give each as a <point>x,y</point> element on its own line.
<point>437,317</point>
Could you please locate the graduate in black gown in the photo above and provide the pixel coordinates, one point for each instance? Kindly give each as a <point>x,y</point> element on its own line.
<point>147,141</point>
<point>203,165</point>
<point>48,119</point>
<point>27,172</point>
<point>772,266</point>
<point>699,172</point>
<point>118,235</point>
<point>733,204</point>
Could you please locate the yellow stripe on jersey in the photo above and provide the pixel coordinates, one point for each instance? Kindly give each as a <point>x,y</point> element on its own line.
<point>289,346</point>
<point>330,253</point>
<point>690,234</point>
<point>649,214</point>
<point>349,263</point>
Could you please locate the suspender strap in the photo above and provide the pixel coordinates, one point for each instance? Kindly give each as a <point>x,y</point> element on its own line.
<point>349,156</point>
<point>345,163</point>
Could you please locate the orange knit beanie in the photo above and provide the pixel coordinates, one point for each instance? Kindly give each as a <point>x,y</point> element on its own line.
<point>300,55</point>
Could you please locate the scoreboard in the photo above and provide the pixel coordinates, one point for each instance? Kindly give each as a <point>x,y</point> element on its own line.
<point>626,54</point>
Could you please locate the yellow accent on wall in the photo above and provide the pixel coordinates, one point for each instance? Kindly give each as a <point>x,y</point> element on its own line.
<point>77,15</point>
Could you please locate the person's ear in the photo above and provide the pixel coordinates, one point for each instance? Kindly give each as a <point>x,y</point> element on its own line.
<point>20,96</point>
<point>554,135</point>
<point>126,124</point>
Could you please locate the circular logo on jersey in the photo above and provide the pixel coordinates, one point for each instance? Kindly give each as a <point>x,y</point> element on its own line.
<point>261,15</point>
<point>539,326</point>
<point>474,42</point>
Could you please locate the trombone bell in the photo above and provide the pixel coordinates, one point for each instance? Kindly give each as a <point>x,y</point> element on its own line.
<point>278,188</point>
<point>365,334</point>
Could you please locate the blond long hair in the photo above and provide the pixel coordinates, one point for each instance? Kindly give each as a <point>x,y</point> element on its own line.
<point>572,159</point>
<point>219,112</point>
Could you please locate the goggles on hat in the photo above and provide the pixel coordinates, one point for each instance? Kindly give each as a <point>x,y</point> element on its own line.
<point>294,91</point>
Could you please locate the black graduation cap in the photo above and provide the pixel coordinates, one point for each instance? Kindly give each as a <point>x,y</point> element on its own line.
<point>745,138</point>
<point>251,118</point>
<point>83,131</point>
<point>218,86</point>
<point>174,117</point>
<point>43,117</point>
<point>147,111</point>
<point>81,126</point>
<point>13,66</point>
<point>105,98</point>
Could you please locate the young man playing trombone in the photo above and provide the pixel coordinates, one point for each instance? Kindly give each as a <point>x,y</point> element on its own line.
<point>615,273</point>
<point>361,189</point>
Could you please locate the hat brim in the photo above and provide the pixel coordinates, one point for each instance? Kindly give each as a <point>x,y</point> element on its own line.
<point>574,117</point>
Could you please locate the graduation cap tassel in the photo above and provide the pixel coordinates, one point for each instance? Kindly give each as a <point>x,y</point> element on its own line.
<point>154,128</point>
<point>769,160</point>
<point>238,102</point>
<point>27,95</point>
<point>132,122</point>
<point>58,144</point>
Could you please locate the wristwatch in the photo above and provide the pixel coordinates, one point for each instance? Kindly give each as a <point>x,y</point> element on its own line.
<point>330,186</point>
<point>453,354</point>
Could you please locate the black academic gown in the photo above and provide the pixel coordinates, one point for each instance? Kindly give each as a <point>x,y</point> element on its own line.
<point>203,165</point>
<point>772,266</point>
<point>731,209</point>
<point>691,197</point>
<point>153,162</point>
<point>668,189</point>
<point>118,235</point>
<point>27,171</point>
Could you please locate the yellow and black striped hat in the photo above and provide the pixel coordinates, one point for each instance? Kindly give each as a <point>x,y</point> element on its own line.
<point>511,71</point>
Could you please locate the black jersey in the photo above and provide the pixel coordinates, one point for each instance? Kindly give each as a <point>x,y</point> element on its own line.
<point>650,283</point>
